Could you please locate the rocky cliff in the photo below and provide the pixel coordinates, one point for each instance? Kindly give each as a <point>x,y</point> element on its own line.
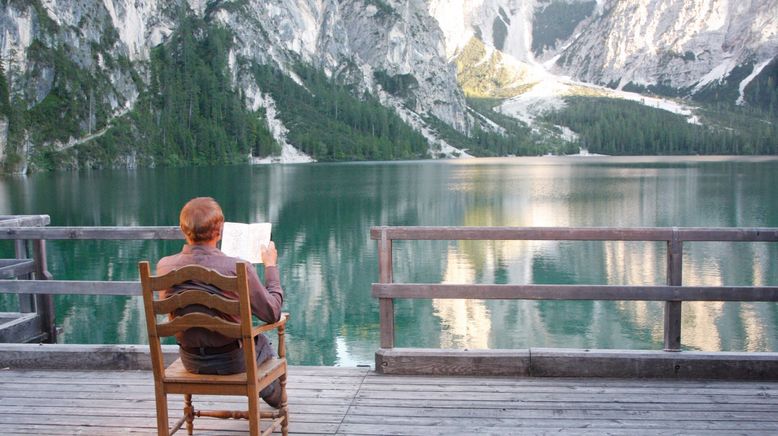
<point>674,47</point>
<point>683,45</point>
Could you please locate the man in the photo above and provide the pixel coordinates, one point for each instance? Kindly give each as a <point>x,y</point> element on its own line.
<point>203,351</point>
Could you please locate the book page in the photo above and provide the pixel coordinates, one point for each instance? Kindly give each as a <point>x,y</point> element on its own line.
<point>243,240</point>
<point>259,236</point>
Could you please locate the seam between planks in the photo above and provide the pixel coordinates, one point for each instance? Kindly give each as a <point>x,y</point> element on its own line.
<point>353,401</point>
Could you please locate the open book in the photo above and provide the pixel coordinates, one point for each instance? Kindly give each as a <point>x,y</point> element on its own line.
<point>243,240</point>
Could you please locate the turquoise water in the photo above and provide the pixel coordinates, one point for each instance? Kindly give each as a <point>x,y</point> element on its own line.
<point>322,213</point>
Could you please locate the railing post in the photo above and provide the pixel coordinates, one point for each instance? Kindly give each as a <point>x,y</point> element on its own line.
<point>672,328</point>
<point>26,301</point>
<point>44,303</point>
<point>385,305</point>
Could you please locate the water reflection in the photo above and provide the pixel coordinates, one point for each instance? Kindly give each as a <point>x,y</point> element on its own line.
<point>464,323</point>
<point>322,213</point>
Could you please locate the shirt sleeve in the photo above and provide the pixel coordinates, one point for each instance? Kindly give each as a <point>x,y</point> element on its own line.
<point>266,300</point>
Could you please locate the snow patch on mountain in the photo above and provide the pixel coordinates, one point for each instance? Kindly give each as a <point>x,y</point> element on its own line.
<point>289,154</point>
<point>716,74</point>
<point>742,87</point>
<point>659,103</point>
<point>548,95</point>
<point>544,96</point>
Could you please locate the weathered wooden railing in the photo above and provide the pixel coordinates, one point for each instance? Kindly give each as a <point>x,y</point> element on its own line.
<point>674,293</point>
<point>36,290</point>
<point>40,285</point>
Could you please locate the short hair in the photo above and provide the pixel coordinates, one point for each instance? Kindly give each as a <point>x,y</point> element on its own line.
<point>201,219</point>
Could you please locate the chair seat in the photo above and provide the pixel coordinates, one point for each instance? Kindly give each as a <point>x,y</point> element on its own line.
<point>176,373</point>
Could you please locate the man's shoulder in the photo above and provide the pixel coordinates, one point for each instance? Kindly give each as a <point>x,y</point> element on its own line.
<point>225,263</point>
<point>169,258</point>
<point>212,259</point>
<point>168,263</point>
<point>217,261</point>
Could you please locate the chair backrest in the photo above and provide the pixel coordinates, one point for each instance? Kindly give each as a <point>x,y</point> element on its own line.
<point>154,305</point>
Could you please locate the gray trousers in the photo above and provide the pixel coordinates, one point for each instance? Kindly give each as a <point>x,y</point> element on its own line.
<point>231,362</point>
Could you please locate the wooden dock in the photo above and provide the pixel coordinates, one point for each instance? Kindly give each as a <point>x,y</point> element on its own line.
<point>351,401</point>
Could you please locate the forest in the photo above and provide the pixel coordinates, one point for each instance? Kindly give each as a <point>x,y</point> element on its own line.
<point>328,122</point>
<point>619,127</point>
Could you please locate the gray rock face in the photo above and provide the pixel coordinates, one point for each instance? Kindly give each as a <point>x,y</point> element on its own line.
<point>352,40</point>
<point>683,44</point>
<point>94,35</point>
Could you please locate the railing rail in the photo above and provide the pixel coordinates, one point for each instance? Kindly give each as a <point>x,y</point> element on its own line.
<point>44,283</point>
<point>576,292</point>
<point>91,233</point>
<point>674,293</point>
<point>70,287</point>
<point>697,234</point>
<point>36,290</point>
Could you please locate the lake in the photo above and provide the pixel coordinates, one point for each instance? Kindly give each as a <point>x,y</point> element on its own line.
<point>322,213</point>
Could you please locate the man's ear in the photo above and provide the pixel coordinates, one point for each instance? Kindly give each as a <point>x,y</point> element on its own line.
<point>186,238</point>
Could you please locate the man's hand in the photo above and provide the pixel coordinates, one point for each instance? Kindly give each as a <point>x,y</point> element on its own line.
<point>269,254</point>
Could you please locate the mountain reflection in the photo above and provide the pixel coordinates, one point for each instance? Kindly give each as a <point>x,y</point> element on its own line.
<point>322,214</point>
<point>464,323</point>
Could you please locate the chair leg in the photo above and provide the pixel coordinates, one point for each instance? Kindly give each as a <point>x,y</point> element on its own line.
<point>284,407</point>
<point>254,413</point>
<point>189,413</point>
<point>162,417</point>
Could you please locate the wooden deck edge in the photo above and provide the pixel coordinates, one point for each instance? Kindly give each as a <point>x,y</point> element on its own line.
<point>556,362</point>
<point>538,362</point>
<point>549,362</point>
<point>81,357</point>
<point>431,361</point>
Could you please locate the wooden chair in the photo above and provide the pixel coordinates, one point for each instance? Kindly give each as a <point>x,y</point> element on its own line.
<point>175,379</point>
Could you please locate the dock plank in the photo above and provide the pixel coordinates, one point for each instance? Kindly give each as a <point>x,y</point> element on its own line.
<point>351,401</point>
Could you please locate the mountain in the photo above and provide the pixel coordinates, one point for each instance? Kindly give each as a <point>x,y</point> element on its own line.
<point>711,64</point>
<point>669,47</point>
<point>674,47</point>
<point>94,83</point>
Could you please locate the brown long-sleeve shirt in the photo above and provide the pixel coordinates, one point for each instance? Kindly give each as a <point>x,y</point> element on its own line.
<point>265,300</point>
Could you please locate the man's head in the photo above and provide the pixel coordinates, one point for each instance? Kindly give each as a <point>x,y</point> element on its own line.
<point>201,220</point>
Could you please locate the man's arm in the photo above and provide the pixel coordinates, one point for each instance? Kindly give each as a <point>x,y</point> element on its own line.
<point>266,300</point>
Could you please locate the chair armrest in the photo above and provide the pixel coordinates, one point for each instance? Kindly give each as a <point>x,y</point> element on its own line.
<point>255,330</point>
